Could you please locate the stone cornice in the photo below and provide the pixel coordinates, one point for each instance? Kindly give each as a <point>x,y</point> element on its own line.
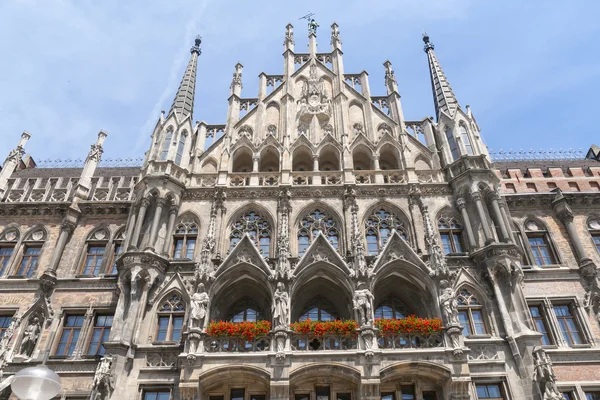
<point>537,200</point>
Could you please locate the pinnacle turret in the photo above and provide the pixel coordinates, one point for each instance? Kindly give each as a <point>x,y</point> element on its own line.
<point>183,104</point>
<point>443,96</point>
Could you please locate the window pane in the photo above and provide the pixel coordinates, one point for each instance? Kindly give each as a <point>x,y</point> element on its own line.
<point>237,394</point>
<point>408,392</point>
<point>446,243</point>
<point>344,396</point>
<point>463,317</point>
<point>323,393</point>
<point>191,245</point>
<point>163,324</point>
<point>178,245</point>
<point>387,396</point>
<point>457,242</point>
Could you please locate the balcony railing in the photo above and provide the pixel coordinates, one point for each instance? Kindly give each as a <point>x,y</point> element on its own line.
<point>410,341</point>
<point>329,342</point>
<point>236,344</point>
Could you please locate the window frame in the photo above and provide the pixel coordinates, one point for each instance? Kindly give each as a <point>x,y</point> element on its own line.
<point>318,302</point>
<point>72,329</point>
<point>172,316</point>
<point>466,139</point>
<point>99,263</point>
<point>554,330</point>
<point>28,272</point>
<point>155,389</point>
<point>383,214</point>
<point>92,330</point>
<point>247,304</point>
<point>540,233</point>
<point>186,231</point>
<point>166,146</point>
<point>543,318</point>
<point>594,233</point>
<point>251,221</point>
<point>6,260</point>
<point>452,144</point>
<point>180,147</point>
<point>453,229</point>
<point>501,387</point>
<point>317,225</point>
<point>469,308</point>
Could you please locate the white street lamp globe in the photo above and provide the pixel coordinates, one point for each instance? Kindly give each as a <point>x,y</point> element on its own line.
<point>36,383</point>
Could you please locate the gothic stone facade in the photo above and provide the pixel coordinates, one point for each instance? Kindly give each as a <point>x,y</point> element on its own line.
<point>315,200</point>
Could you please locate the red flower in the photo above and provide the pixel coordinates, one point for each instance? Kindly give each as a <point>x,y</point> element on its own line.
<point>246,330</point>
<point>410,324</point>
<point>323,328</point>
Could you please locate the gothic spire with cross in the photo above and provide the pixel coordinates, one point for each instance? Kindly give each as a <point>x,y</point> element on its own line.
<point>183,103</point>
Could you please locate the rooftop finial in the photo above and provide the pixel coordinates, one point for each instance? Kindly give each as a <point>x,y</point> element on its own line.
<point>312,24</point>
<point>196,48</point>
<point>428,44</point>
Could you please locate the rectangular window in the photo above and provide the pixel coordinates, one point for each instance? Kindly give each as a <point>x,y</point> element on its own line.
<point>408,392</point>
<point>463,317</point>
<point>452,144</point>
<point>302,244</point>
<point>4,324</point>
<point>163,394</point>
<point>117,250</point>
<point>596,237</point>
<point>322,393</point>
<point>489,391</point>
<point>93,259</point>
<point>100,332</point>
<point>372,246</point>
<point>5,254</point>
<point>343,396</point>
<point>257,397</point>
<point>592,395</point>
<point>237,394</point>
<point>567,324</point>
<point>177,247</point>
<point>388,396</point>
<point>540,249</point>
<point>446,242</point>
<point>70,334</point>
<point>540,324</point>
<point>568,395</point>
<point>163,329</point>
<point>429,395</point>
<point>29,261</point>
<point>303,396</point>
<point>189,248</point>
<point>478,324</point>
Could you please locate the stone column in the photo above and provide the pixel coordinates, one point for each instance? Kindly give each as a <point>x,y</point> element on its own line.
<point>507,222</point>
<point>316,179</point>
<point>378,172</point>
<point>254,175</point>
<point>173,210</point>
<point>494,197</point>
<point>564,213</point>
<point>160,203</point>
<point>66,229</point>
<point>487,232</point>
<point>130,226</point>
<point>255,163</point>
<point>462,206</point>
<point>316,163</point>
<point>144,203</point>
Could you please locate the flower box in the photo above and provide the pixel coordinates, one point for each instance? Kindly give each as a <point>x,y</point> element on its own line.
<point>246,330</point>
<point>325,328</point>
<point>410,325</point>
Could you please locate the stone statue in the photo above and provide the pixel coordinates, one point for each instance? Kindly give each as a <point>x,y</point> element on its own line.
<point>199,307</point>
<point>544,375</point>
<point>280,306</point>
<point>362,304</point>
<point>449,306</point>
<point>30,336</point>
<point>312,26</point>
<point>103,385</point>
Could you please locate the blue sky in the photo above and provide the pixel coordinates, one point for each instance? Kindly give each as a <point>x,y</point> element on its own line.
<point>529,69</point>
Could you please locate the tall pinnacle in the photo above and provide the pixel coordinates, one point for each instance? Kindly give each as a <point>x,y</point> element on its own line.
<point>183,104</point>
<point>443,96</point>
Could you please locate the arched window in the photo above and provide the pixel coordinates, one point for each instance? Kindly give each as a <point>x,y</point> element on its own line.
<point>166,145</point>
<point>315,223</point>
<point>470,314</point>
<point>464,134</point>
<point>32,247</point>
<point>451,234</point>
<point>184,239</point>
<point>256,226</point>
<point>245,311</point>
<point>391,308</point>
<point>170,319</point>
<point>452,144</point>
<point>8,243</point>
<point>378,229</point>
<point>180,148</point>
<point>117,249</point>
<point>594,229</point>
<point>539,243</point>
<point>319,310</point>
<point>95,248</point>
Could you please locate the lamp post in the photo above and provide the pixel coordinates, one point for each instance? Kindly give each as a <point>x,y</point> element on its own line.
<point>36,383</point>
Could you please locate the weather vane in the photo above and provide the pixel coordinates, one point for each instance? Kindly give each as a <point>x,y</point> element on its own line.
<point>312,24</point>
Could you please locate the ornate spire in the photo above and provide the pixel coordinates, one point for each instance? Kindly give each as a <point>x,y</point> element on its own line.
<point>288,43</point>
<point>183,104</point>
<point>443,96</point>
<point>336,42</point>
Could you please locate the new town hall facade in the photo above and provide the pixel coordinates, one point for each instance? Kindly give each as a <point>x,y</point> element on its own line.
<point>435,272</point>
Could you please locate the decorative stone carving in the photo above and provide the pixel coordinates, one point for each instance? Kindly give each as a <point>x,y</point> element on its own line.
<point>104,382</point>
<point>283,267</point>
<point>362,304</point>
<point>543,373</point>
<point>289,35</point>
<point>31,336</point>
<point>314,99</point>
<point>449,304</point>
<point>95,153</point>
<point>280,307</point>
<point>158,360</point>
<point>335,35</point>
<point>5,341</point>
<point>199,307</point>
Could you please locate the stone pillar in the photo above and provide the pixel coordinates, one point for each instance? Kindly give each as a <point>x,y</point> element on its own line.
<point>316,163</point>
<point>254,175</point>
<point>487,232</point>
<point>91,162</point>
<point>130,226</point>
<point>494,197</point>
<point>316,179</point>
<point>462,206</point>
<point>507,221</point>
<point>160,203</point>
<point>173,210</point>
<point>66,229</point>
<point>563,212</point>
<point>144,203</point>
<point>255,164</point>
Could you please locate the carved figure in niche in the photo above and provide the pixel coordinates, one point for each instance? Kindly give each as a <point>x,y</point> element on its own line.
<point>30,337</point>
<point>199,307</point>
<point>280,306</point>
<point>104,384</point>
<point>544,374</point>
<point>362,304</point>
<point>449,305</point>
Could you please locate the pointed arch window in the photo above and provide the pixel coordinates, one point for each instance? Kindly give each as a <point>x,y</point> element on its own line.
<point>451,234</point>
<point>166,145</point>
<point>319,310</point>
<point>257,228</point>
<point>95,249</point>
<point>594,229</point>
<point>378,228</point>
<point>317,223</point>
<point>170,319</point>
<point>464,135</point>
<point>470,314</point>
<point>180,147</point>
<point>8,243</point>
<point>452,144</point>
<point>185,238</point>
<point>539,243</point>
<point>245,310</point>
<point>391,308</point>
<point>32,249</point>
